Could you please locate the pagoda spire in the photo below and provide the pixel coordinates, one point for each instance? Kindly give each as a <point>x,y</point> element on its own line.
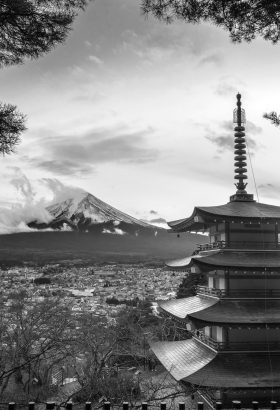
<point>240,154</point>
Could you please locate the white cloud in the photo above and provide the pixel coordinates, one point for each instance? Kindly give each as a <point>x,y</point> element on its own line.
<point>96,60</point>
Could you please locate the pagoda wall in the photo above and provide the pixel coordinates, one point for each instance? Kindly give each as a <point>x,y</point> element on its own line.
<point>253,233</point>
<point>253,335</point>
<point>248,283</point>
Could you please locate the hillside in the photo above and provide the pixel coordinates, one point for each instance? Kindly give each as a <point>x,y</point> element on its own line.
<point>44,247</point>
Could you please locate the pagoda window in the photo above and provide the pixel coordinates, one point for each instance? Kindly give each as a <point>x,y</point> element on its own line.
<point>217,232</point>
<point>216,280</point>
<point>215,332</point>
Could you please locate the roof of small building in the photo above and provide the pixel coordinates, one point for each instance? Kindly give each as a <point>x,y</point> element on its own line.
<point>237,210</point>
<point>192,362</point>
<point>227,312</point>
<point>229,258</point>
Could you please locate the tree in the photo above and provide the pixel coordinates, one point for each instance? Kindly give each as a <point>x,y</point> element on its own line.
<point>190,282</point>
<point>29,29</point>
<point>34,337</point>
<point>12,124</point>
<point>273,117</point>
<point>243,19</point>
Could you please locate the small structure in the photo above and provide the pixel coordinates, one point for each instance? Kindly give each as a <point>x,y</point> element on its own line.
<point>234,352</point>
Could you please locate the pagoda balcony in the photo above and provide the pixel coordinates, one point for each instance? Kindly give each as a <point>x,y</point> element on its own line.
<point>238,245</point>
<point>205,290</point>
<point>236,346</point>
<point>209,246</point>
<point>239,293</point>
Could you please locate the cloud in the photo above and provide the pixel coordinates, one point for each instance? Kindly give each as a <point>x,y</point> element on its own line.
<point>21,183</point>
<point>225,141</point>
<point>229,85</point>
<point>250,127</point>
<point>116,231</point>
<point>59,191</point>
<point>270,190</point>
<point>60,167</point>
<point>74,154</point>
<point>96,60</point>
<point>224,89</point>
<point>14,218</point>
<point>214,58</point>
<point>158,221</point>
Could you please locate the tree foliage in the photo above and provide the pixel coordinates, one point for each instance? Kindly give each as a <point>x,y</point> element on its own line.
<point>43,340</point>
<point>30,28</point>
<point>12,124</point>
<point>189,284</point>
<point>34,338</point>
<point>243,19</point>
<point>273,117</point>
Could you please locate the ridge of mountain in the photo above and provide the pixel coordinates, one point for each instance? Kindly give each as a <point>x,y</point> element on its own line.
<point>87,212</point>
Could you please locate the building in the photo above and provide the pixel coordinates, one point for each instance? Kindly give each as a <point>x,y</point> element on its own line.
<point>234,352</point>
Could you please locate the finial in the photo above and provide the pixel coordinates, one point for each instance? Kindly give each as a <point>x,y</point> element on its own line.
<point>239,113</point>
<point>240,153</point>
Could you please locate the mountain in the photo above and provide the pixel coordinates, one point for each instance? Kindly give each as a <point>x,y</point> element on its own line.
<point>86,212</point>
<point>117,238</point>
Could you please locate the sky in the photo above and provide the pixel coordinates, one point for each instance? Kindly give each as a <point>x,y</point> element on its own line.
<point>139,114</point>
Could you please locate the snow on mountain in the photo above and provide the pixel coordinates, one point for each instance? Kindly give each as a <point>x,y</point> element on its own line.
<point>88,209</point>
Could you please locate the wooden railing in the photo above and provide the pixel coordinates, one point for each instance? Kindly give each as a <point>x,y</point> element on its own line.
<point>233,346</point>
<point>239,293</point>
<point>199,405</point>
<point>209,246</point>
<point>238,245</point>
<point>205,290</point>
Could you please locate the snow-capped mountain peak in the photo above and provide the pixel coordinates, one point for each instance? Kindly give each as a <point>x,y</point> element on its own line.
<point>86,208</point>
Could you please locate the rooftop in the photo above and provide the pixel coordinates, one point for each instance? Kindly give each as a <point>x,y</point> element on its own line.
<point>227,312</point>
<point>234,211</point>
<point>230,258</point>
<point>192,362</point>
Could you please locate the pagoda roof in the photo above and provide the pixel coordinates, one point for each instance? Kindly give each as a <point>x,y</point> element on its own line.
<point>236,210</point>
<point>191,361</point>
<point>227,312</point>
<point>180,308</point>
<point>183,358</point>
<point>230,259</point>
<point>239,370</point>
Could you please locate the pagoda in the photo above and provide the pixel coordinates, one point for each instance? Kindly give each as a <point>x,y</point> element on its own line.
<point>234,349</point>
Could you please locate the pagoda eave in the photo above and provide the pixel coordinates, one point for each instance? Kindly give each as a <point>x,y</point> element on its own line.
<point>241,370</point>
<point>183,358</point>
<point>240,312</point>
<point>192,362</point>
<point>203,311</point>
<point>181,308</point>
<point>244,212</point>
<point>226,258</point>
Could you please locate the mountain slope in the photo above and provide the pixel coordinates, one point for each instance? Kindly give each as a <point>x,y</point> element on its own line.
<point>87,212</point>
